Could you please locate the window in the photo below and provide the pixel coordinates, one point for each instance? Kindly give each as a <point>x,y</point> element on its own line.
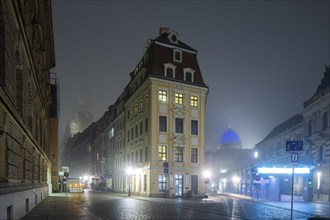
<point>146,154</point>
<point>162,95</point>
<point>132,133</point>
<point>127,136</point>
<point>161,183</point>
<point>146,125</point>
<point>194,127</point>
<point>136,131</point>
<point>162,123</point>
<point>194,155</point>
<point>145,180</point>
<point>162,153</point>
<point>325,120</point>
<point>179,98</point>
<point>188,77</point>
<point>188,74</point>
<point>141,155</point>
<point>169,72</point>
<point>194,101</point>
<point>309,128</point>
<point>178,154</point>
<point>141,127</point>
<point>177,55</point>
<point>320,154</point>
<point>179,125</point>
<point>194,183</point>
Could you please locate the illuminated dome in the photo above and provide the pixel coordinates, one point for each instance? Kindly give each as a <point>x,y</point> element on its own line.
<point>230,139</point>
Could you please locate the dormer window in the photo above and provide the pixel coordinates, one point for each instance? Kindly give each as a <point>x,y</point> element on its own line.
<point>177,55</point>
<point>188,74</point>
<point>169,70</point>
<point>173,37</point>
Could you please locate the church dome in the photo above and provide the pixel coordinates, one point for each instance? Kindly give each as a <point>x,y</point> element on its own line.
<point>230,138</point>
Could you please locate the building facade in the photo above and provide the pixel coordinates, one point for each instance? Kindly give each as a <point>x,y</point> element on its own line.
<point>28,107</point>
<point>155,129</point>
<point>311,126</point>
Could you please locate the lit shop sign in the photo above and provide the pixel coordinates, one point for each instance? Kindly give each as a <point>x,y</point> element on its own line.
<point>278,170</point>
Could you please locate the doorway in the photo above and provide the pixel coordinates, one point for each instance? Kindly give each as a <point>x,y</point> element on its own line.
<point>178,185</point>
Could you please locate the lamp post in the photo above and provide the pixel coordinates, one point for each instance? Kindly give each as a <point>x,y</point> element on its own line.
<point>129,172</point>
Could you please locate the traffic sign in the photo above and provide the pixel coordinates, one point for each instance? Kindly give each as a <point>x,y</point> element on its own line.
<point>294,157</point>
<point>294,146</point>
<point>165,164</point>
<point>166,170</point>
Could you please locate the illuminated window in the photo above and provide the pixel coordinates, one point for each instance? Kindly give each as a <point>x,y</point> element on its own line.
<point>194,101</point>
<point>178,154</point>
<point>162,123</point>
<point>162,183</point>
<point>162,95</point>
<point>194,155</point>
<point>194,127</point>
<point>179,125</point>
<point>162,153</point>
<point>179,98</point>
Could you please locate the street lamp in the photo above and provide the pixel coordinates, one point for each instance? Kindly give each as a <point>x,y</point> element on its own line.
<point>129,172</point>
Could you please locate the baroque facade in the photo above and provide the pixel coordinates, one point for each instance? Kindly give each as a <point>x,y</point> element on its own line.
<point>155,129</point>
<point>28,107</point>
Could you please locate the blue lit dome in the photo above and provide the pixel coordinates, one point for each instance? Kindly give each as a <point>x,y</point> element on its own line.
<point>230,139</point>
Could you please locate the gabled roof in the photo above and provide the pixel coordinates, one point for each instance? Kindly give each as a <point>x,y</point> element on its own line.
<point>290,123</point>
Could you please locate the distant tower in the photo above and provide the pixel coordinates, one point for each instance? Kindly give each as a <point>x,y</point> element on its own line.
<point>82,118</point>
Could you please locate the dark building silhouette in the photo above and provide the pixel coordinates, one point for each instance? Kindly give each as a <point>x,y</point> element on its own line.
<point>28,107</point>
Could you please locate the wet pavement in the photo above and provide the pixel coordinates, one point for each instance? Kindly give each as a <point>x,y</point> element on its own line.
<point>106,205</point>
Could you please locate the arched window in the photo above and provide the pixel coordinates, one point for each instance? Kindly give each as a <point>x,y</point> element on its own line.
<point>169,70</point>
<point>177,55</point>
<point>325,120</point>
<point>188,74</point>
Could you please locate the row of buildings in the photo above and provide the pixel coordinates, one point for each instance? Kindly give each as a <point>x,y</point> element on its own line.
<point>151,140</point>
<point>28,106</point>
<point>265,172</point>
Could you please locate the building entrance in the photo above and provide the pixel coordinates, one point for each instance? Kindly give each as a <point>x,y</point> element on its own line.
<point>178,185</point>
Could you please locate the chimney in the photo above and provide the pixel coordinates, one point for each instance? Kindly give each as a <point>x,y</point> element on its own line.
<point>164,30</point>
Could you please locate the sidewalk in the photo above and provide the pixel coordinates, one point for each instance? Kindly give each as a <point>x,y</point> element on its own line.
<point>59,206</point>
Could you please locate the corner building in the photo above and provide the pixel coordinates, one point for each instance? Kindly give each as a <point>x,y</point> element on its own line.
<point>159,118</point>
<point>163,116</point>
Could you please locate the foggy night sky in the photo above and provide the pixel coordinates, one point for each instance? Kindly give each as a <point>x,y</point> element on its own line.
<point>260,59</point>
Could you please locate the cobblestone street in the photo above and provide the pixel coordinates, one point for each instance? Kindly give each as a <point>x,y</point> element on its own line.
<point>105,205</point>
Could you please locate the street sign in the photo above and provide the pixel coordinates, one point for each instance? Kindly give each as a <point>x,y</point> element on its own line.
<point>294,146</point>
<point>166,170</point>
<point>294,157</point>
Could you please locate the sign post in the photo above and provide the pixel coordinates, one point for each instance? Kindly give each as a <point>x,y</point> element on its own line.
<point>293,146</point>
